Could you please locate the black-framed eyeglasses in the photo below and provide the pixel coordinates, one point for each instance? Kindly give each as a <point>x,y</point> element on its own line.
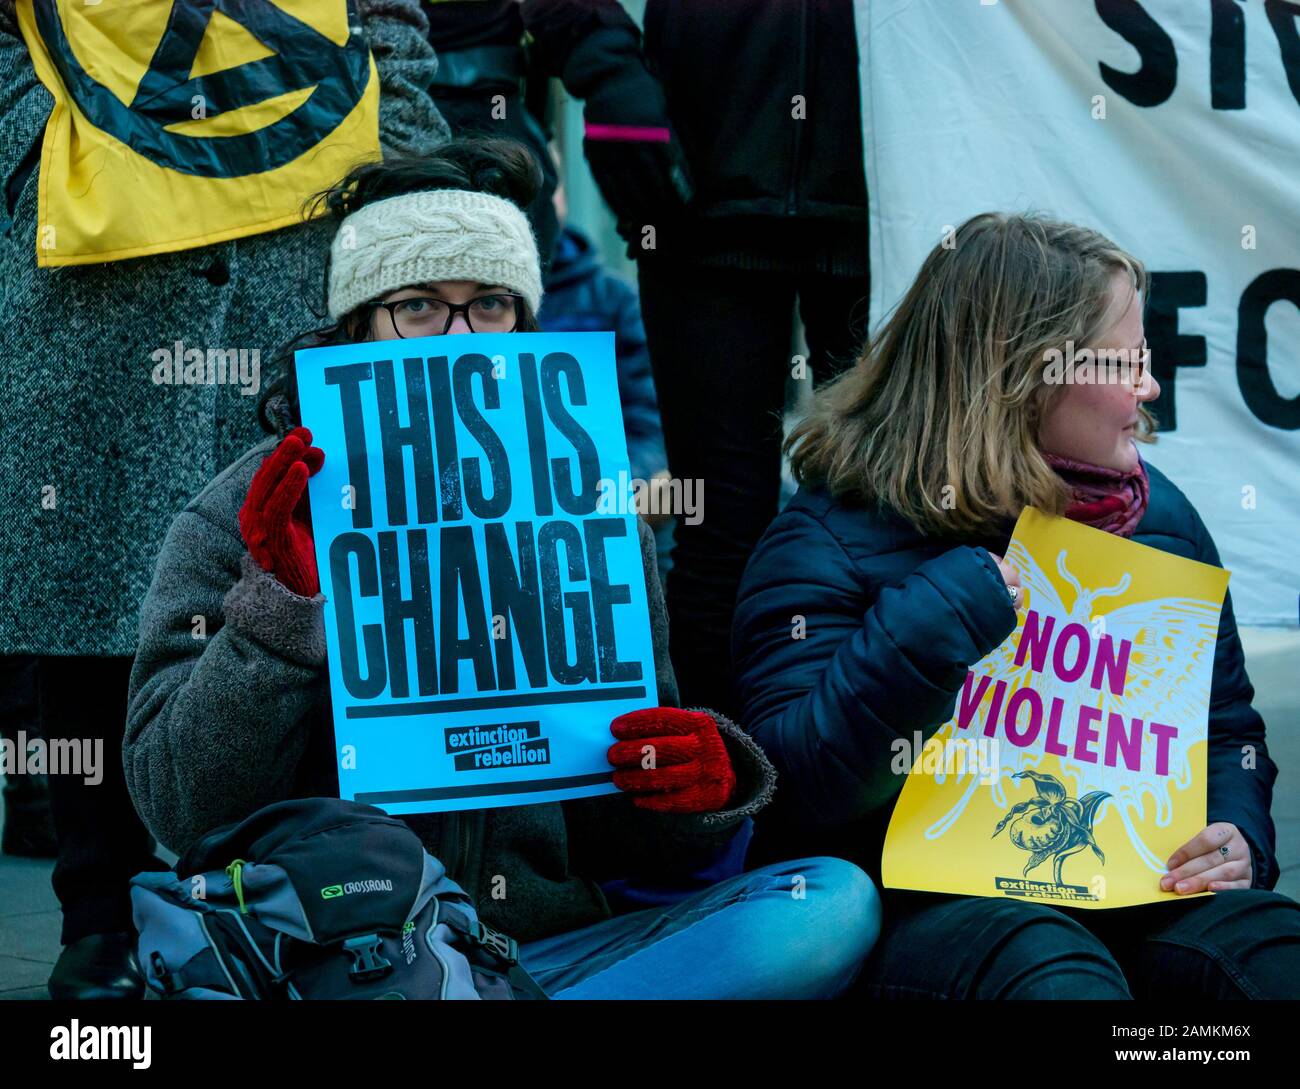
<point>1139,365</point>
<point>1128,365</point>
<point>425,316</point>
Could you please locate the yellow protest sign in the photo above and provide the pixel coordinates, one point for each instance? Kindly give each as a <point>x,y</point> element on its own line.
<point>1075,762</point>
<point>176,125</point>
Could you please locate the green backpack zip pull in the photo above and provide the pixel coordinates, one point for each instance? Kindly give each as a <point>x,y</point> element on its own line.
<point>235,871</point>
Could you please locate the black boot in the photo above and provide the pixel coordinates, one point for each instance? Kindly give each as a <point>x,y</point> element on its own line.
<point>96,968</point>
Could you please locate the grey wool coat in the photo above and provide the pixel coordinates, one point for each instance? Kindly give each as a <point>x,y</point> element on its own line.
<point>95,458</point>
<point>220,726</point>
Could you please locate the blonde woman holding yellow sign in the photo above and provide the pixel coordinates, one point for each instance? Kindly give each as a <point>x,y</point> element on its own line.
<point>886,580</point>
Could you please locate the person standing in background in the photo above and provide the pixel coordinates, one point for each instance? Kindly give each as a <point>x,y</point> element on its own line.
<point>495,61</point>
<point>763,95</point>
<point>729,149</point>
<point>97,453</point>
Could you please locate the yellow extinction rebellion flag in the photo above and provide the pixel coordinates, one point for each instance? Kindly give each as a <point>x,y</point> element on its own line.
<point>1075,762</point>
<point>178,123</point>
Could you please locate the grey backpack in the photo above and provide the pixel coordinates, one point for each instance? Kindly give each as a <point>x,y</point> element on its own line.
<point>318,899</point>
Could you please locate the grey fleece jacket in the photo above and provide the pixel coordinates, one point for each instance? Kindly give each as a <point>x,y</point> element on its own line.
<point>230,711</point>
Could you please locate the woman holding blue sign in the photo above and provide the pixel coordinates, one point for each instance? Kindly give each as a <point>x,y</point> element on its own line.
<point>225,724</point>
<point>915,466</point>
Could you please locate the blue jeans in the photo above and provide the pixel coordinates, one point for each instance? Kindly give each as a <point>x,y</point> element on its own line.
<point>762,934</point>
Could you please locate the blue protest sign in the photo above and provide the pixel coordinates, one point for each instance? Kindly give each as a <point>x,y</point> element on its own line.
<point>486,611</point>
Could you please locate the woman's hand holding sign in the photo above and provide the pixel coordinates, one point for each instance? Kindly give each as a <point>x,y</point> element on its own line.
<point>274,520</point>
<point>1011,577</point>
<point>673,761</point>
<point>1215,859</point>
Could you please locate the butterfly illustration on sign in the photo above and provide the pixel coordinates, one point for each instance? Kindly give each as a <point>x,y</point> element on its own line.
<point>303,59</point>
<point>1165,682</point>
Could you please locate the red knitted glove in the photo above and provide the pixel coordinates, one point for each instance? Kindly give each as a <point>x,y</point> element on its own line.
<point>274,519</point>
<point>687,769</point>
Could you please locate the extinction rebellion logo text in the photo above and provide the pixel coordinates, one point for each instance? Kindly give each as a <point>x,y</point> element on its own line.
<point>507,744</point>
<point>1017,886</point>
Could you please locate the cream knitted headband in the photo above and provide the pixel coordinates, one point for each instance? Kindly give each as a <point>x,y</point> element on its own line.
<point>436,234</point>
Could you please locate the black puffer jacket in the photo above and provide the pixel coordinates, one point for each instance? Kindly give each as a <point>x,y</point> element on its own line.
<point>893,622</point>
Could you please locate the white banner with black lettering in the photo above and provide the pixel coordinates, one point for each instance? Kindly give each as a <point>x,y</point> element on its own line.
<point>1174,128</point>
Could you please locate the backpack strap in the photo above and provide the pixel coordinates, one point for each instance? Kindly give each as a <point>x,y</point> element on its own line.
<point>499,947</point>
<point>256,981</point>
<point>202,971</point>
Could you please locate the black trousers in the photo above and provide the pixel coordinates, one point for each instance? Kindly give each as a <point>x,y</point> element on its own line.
<point>1233,945</point>
<point>720,345</point>
<point>19,714</point>
<point>102,842</point>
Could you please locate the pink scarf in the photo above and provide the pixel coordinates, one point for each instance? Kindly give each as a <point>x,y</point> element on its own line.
<point>1105,499</point>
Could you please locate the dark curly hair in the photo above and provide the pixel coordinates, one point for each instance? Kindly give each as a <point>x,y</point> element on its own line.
<point>502,168</point>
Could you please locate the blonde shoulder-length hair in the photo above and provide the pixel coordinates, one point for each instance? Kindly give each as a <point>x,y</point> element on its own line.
<point>938,419</point>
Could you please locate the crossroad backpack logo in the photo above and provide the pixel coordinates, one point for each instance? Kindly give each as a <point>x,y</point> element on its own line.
<point>178,123</point>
